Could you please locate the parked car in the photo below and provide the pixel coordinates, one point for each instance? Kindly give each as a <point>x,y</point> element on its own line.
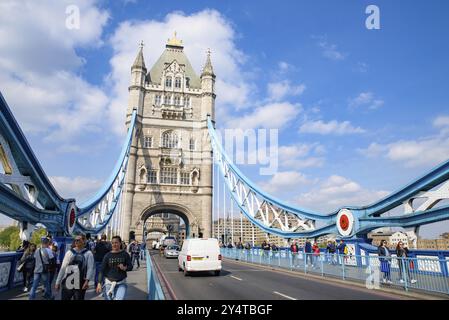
<point>171,251</point>
<point>200,254</point>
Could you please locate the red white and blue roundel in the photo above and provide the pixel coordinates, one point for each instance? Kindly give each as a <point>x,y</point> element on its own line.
<point>71,218</point>
<point>345,222</point>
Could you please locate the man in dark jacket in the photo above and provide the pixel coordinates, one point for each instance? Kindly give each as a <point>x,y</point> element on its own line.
<point>308,251</point>
<point>101,248</point>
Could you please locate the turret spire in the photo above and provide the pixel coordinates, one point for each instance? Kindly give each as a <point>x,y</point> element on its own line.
<point>139,62</point>
<point>208,69</point>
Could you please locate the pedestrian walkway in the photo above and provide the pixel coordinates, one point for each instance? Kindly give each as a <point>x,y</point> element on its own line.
<point>137,288</point>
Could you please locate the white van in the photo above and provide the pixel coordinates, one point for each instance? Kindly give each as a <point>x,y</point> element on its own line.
<point>200,254</point>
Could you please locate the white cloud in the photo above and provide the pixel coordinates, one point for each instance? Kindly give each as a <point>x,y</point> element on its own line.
<point>79,188</point>
<point>329,50</point>
<point>273,116</point>
<point>426,151</point>
<point>337,191</point>
<point>301,156</point>
<point>285,180</point>
<point>279,90</point>
<point>441,121</point>
<point>412,153</point>
<point>366,99</point>
<point>39,67</point>
<point>331,127</point>
<point>361,67</point>
<point>285,67</point>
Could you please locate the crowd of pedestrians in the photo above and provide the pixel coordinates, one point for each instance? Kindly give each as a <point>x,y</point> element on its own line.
<point>86,261</point>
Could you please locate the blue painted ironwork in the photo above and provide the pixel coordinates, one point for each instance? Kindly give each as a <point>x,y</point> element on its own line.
<point>9,277</point>
<point>153,283</point>
<point>27,195</point>
<point>417,273</point>
<point>275,216</point>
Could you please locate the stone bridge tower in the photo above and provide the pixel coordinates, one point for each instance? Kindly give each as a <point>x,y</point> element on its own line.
<point>170,165</point>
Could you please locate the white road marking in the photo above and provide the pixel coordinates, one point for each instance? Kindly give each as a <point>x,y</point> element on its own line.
<point>236,278</point>
<point>284,295</point>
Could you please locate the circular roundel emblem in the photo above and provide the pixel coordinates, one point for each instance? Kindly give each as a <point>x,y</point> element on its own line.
<point>345,222</point>
<point>71,217</point>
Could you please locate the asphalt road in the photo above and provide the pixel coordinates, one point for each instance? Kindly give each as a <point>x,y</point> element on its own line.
<point>239,281</point>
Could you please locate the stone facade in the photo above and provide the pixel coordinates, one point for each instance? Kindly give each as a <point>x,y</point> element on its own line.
<point>170,164</point>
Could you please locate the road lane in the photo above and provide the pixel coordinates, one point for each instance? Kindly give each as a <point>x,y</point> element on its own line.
<point>239,281</point>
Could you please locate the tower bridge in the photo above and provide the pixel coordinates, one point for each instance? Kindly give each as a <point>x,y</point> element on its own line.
<point>172,162</point>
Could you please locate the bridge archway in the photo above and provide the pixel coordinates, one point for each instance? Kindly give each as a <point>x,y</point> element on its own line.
<point>191,224</point>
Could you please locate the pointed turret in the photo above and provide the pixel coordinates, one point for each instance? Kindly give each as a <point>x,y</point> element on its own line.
<point>208,89</point>
<point>137,85</point>
<point>139,62</point>
<point>208,70</point>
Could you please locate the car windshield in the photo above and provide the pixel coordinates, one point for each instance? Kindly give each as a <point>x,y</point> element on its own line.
<point>173,248</point>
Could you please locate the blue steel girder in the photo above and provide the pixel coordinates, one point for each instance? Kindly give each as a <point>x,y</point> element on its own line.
<point>275,217</point>
<point>27,195</point>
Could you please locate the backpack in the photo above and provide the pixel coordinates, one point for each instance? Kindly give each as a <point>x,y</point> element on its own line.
<point>294,248</point>
<point>346,250</point>
<point>78,261</point>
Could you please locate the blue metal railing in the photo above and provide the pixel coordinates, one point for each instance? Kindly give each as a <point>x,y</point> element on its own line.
<point>154,286</point>
<point>9,277</point>
<point>421,274</point>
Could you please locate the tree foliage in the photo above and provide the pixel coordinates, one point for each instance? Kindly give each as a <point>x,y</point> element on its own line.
<point>10,237</point>
<point>7,234</point>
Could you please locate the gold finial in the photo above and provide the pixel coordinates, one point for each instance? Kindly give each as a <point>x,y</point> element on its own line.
<point>174,41</point>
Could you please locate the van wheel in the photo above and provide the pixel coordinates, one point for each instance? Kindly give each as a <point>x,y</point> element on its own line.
<point>217,272</point>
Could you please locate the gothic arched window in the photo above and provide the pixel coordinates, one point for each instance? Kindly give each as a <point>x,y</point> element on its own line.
<point>169,140</point>
<point>177,101</point>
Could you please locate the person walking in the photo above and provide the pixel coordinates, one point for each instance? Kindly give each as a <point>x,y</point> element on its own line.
<point>135,253</point>
<point>26,266</point>
<point>101,248</point>
<point>404,264</point>
<point>294,250</point>
<point>113,271</point>
<point>315,255</point>
<point>42,257</point>
<point>342,251</point>
<point>308,252</point>
<point>330,249</point>
<point>77,270</point>
<point>385,259</point>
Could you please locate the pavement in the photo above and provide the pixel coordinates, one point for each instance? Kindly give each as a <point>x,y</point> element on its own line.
<point>137,288</point>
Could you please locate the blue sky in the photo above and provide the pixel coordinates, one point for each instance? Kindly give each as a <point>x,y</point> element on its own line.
<point>360,112</point>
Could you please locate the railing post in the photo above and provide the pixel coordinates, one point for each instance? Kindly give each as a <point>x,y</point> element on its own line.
<point>322,266</point>
<point>404,272</point>
<point>305,262</point>
<point>279,256</point>
<point>343,267</point>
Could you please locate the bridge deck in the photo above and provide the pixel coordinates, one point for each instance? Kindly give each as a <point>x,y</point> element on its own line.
<point>137,288</point>
<point>246,282</point>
